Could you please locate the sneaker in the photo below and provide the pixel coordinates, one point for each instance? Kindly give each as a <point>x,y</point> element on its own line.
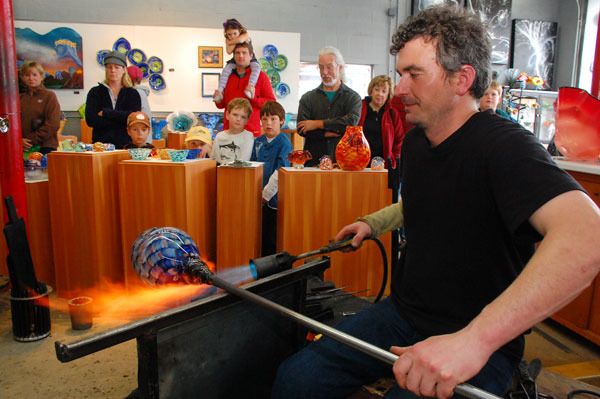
<point>249,94</point>
<point>217,97</point>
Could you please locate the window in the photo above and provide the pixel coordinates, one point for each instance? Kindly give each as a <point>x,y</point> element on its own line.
<point>357,77</point>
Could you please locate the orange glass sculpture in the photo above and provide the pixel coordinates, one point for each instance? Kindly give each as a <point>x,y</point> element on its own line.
<point>353,151</point>
<point>577,124</point>
<point>299,157</point>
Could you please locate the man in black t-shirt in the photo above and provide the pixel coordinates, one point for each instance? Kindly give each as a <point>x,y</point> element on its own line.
<point>477,193</point>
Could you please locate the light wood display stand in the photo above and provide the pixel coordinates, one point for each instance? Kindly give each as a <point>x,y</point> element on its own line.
<point>156,193</point>
<point>176,140</point>
<point>239,215</point>
<point>582,315</point>
<point>314,205</point>
<point>39,232</point>
<point>84,207</point>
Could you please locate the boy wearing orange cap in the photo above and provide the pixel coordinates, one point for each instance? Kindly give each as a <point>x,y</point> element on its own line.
<point>138,129</point>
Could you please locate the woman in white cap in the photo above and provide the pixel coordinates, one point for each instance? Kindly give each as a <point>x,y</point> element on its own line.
<point>109,104</point>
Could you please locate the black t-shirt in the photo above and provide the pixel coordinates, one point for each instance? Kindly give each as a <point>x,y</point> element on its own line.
<point>372,130</point>
<point>466,204</point>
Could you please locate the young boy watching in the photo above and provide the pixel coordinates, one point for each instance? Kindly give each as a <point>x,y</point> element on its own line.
<point>138,129</point>
<point>235,143</point>
<point>272,148</point>
<point>198,137</point>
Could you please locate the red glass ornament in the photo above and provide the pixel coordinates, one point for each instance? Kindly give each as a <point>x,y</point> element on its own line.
<point>577,124</point>
<point>299,157</point>
<point>353,151</point>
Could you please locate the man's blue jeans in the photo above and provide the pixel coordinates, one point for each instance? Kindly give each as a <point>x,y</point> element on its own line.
<point>329,369</point>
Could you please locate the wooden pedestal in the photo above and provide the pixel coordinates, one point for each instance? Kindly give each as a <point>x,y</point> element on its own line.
<point>239,215</point>
<point>176,140</point>
<point>39,232</point>
<point>84,207</point>
<point>164,193</point>
<point>314,205</point>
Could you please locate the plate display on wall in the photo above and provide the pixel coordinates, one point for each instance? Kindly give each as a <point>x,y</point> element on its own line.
<point>145,70</point>
<point>282,90</point>
<point>122,45</point>
<point>280,62</point>
<point>155,64</point>
<point>100,56</point>
<point>274,77</point>
<point>157,82</point>
<point>136,56</point>
<point>265,64</point>
<point>270,52</point>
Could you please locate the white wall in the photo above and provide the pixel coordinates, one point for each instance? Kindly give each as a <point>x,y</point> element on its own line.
<point>178,49</point>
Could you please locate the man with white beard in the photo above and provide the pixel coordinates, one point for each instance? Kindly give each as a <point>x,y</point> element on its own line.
<point>324,112</point>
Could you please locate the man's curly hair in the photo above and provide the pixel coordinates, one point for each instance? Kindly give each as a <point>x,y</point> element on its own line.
<point>460,38</point>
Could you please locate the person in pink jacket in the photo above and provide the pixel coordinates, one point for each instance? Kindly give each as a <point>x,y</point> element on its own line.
<point>382,123</point>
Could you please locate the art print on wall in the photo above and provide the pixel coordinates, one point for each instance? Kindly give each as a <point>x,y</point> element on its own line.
<point>496,15</point>
<point>420,5</point>
<point>534,48</point>
<point>59,52</point>
<point>210,57</point>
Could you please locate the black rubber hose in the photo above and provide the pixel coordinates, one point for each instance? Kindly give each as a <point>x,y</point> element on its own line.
<point>385,268</point>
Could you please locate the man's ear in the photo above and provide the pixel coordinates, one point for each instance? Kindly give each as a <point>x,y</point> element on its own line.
<point>465,76</point>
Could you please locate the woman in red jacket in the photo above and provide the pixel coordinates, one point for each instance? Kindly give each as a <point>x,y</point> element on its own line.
<point>382,123</point>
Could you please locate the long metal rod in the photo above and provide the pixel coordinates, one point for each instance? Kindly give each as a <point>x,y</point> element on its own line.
<point>465,390</point>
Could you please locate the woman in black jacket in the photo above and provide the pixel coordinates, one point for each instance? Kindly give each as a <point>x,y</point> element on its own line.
<point>109,103</point>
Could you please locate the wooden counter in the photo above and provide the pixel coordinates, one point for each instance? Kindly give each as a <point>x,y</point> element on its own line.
<point>239,215</point>
<point>84,207</point>
<point>155,193</point>
<point>39,232</point>
<point>582,315</point>
<point>314,205</point>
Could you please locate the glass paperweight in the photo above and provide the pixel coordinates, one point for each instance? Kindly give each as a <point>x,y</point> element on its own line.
<point>377,163</point>
<point>353,151</point>
<point>325,163</point>
<point>299,157</point>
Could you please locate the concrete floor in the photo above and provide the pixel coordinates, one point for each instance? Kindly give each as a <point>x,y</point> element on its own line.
<point>32,370</point>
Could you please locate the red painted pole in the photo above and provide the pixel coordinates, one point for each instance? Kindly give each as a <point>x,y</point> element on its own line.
<point>12,179</point>
<point>596,67</point>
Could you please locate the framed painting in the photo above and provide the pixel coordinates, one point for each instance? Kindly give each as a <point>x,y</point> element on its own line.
<point>420,5</point>
<point>210,57</point>
<point>59,52</point>
<point>534,48</point>
<point>210,83</point>
<point>496,15</point>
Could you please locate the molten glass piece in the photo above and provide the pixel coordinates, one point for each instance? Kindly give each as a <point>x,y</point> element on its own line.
<point>299,157</point>
<point>577,124</point>
<point>353,151</point>
<point>162,256</point>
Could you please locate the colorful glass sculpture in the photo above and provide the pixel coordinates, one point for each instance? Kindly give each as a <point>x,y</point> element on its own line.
<point>325,163</point>
<point>577,124</point>
<point>353,151</point>
<point>299,157</point>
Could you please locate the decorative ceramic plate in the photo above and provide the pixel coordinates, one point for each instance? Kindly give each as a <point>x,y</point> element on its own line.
<point>157,82</point>
<point>122,45</point>
<point>145,70</point>
<point>100,56</point>
<point>274,77</point>
<point>155,64</point>
<point>280,62</point>
<point>282,90</point>
<point>136,56</point>
<point>270,52</point>
<point>265,64</point>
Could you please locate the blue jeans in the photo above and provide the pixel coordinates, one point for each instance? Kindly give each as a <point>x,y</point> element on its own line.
<point>329,369</point>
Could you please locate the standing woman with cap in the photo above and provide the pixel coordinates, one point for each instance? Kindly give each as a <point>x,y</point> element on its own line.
<point>109,103</point>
